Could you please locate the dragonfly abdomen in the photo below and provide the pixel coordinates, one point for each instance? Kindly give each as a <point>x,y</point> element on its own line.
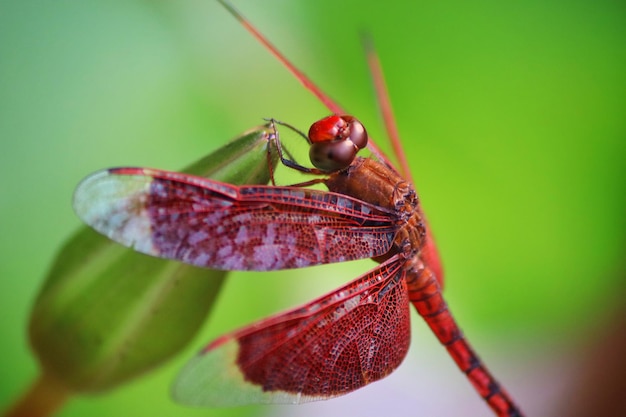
<point>425,295</point>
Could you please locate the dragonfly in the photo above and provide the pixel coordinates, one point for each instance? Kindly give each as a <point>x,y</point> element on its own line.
<point>339,342</point>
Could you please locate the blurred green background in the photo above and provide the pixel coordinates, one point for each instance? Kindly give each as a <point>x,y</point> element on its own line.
<point>512,116</point>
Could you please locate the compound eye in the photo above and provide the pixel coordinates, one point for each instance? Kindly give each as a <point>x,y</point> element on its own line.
<point>332,156</point>
<point>328,129</point>
<point>335,141</point>
<point>358,135</point>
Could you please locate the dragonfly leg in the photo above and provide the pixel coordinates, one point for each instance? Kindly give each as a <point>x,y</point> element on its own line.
<point>291,163</point>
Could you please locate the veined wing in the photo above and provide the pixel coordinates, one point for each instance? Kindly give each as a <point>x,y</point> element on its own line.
<point>331,346</point>
<point>212,224</point>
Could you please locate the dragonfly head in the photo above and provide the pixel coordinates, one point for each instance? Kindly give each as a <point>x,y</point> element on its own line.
<point>335,141</point>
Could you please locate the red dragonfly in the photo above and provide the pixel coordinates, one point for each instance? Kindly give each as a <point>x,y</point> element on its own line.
<point>337,343</point>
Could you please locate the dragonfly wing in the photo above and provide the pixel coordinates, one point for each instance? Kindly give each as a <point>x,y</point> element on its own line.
<point>212,224</point>
<point>329,347</point>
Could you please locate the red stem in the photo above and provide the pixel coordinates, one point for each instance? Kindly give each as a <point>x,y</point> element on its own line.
<point>45,396</point>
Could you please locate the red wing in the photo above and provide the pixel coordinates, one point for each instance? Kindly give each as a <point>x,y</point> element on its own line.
<point>211,224</point>
<point>329,347</point>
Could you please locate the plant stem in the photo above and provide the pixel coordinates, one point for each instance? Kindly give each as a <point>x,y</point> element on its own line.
<point>42,399</point>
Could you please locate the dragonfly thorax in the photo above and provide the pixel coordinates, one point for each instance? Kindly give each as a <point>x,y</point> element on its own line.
<point>375,183</point>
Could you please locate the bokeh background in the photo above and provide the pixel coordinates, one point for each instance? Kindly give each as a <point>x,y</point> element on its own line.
<point>512,116</point>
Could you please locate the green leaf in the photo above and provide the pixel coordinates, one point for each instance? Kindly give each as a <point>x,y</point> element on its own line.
<point>106,314</point>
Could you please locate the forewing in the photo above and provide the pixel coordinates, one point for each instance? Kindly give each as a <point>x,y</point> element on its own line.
<point>329,347</point>
<point>212,224</point>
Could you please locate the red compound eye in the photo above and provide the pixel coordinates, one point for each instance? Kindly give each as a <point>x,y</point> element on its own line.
<point>335,141</point>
